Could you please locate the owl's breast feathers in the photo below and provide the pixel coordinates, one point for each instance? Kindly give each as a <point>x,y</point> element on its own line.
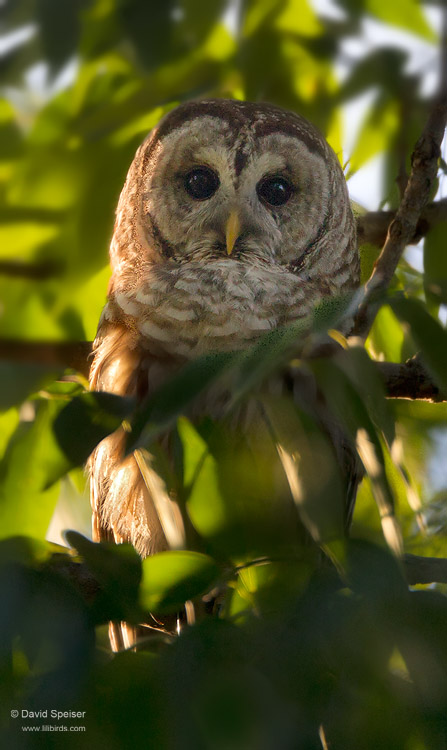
<point>185,310</point>
<point>172,298</point>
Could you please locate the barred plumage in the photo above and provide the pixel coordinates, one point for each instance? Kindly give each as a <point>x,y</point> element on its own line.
<point>196,274</point>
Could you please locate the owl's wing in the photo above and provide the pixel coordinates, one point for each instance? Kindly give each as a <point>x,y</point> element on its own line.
<point>123,510</point>
<point>122,507</point>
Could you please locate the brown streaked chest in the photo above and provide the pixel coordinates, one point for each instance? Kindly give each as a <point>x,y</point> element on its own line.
<point>188,310</point>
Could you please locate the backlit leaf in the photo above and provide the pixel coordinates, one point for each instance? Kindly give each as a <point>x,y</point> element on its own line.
<point>376,134</point>
<point>406,14</point>
<point>298,17</point>
<point>171,578</point>
<point>386,337</point>
<point>29,466</point>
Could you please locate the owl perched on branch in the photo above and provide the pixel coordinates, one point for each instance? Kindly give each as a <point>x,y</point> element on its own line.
<point>234,220</point>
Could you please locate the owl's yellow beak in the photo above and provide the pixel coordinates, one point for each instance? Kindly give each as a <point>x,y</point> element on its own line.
<point>232,231</point>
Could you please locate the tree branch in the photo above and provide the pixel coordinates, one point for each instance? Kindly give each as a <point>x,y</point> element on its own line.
<point>372,227</point>
<point>403,227</point>
<point>417,569</point>
<point>409,380</point>
<point>72,354</point>
<point>405,380</point>
<point>425,569</point>
<point>34,271</point>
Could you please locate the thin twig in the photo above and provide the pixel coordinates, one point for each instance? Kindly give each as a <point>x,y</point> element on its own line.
<point>70,354</point>
<point>424,169</point>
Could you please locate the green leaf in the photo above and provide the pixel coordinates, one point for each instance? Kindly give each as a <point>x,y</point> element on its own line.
<point>428,414</point>
<point>71,431</point>
<point>298,17</point>
<point>382,67</point>
<point>427,618</point>
<point>54,464</point>
<point>235,491</point>
<point>198,21</point>
<point>28,310</point>
<point>430,337</point>
<point>51,177</point>
<point>311,469</point>
<point>90,299</point>
<point>330,312</point>
<point>250,366</point>
<point>117,568</point>
<point>376,574</point>
<point>172,578</point>
<point>159,411</point>
<point>8,423</point>
<point>273,349</point>
<point>20,240</point>
<point>26,550</point>
<point>344,399</point>
<point>386,338</point>
<point>368,256</point>
<point>18,380</point>
<point>257,13</point>
<point>11,140</point>
<point>363,374</point>
<point>347,403</point>
<point>435,264</point>
<point>30,463</point>
<point>63,390</point>
<point>149,27</point>
<point>406,14</point>
<point>377,132</point>
<point>205,502</point>
<point>59,30</point>
<point>276,347</point>
<point>86,420</point>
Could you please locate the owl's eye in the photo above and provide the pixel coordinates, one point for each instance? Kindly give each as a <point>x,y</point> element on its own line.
<point>201,183</point>
<point>274,190</point>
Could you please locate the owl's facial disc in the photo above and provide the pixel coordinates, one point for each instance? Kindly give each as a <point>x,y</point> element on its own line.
<point>237,189</point>
<point>216,191</point>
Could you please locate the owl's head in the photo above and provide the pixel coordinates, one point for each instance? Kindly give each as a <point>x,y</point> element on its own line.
<point>223,179</point>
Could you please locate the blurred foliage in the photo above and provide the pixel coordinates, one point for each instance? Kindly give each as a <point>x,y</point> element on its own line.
<point>293,644</point>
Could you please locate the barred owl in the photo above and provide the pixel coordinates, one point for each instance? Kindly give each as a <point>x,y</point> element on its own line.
<point>234,220</point>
